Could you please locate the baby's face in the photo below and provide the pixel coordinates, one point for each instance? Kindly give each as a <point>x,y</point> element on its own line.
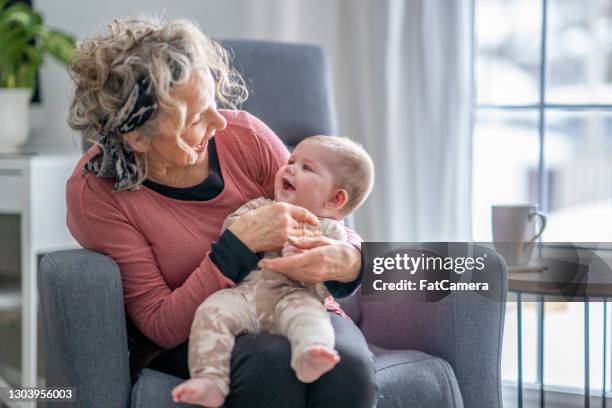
<point>306,180</point>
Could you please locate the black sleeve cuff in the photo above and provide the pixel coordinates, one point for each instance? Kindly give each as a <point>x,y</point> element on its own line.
<point>234,259</point>
<point>343,289</point>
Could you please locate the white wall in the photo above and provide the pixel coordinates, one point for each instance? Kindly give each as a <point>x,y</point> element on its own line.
<point>81,18</point>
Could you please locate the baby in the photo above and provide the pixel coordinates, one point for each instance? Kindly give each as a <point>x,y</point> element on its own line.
<point>330,176</point>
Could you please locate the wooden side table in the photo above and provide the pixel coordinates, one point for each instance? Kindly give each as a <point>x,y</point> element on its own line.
<point>32,185</point>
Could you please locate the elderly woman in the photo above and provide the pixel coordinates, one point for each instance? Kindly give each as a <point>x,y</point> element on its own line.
<point>153,192</point>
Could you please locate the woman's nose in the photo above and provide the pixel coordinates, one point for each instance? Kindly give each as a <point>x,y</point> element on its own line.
<point>217,120</point>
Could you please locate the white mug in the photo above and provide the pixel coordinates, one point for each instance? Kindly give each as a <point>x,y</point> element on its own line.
<point>514,231</point>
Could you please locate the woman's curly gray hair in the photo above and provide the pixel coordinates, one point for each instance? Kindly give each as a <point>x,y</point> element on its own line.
<point>107,66</point>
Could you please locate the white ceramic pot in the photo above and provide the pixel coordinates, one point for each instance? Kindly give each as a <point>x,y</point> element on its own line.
<point>14,118</point>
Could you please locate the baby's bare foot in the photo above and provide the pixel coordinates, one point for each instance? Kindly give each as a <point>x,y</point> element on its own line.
<point>199,391</point>
<point>314,362</point>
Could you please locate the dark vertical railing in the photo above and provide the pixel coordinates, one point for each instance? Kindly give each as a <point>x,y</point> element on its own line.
<point>519,342</point>
<point>605,352</point>
<point>541,348</point>
<point>587,358</point>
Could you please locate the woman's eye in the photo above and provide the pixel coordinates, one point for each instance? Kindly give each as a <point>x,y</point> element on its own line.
<point>200,117</point>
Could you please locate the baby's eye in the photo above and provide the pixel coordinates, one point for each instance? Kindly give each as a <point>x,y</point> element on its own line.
<point>307,168</point>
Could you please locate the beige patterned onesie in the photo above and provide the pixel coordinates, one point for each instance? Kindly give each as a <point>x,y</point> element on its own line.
<point>264,301</point>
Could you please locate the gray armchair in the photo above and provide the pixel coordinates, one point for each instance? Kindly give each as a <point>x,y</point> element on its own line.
<point>444,354</point>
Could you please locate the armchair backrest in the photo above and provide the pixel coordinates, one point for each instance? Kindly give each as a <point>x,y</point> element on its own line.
<point>289,85</point>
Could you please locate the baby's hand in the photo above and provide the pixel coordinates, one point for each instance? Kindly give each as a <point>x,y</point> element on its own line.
<point>289,250</point>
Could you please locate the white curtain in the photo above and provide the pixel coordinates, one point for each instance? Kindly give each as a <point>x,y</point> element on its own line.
<point>402,82</point>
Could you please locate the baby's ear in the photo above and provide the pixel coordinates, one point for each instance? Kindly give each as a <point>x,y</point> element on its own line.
<point>137,141</point>
<point>338,199</point>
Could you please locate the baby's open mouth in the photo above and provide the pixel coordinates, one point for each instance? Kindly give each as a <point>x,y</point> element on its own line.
<point>287,185</point>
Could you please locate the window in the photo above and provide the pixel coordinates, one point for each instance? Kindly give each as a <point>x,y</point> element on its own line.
<point>543,114</point>
<point>543,134</point>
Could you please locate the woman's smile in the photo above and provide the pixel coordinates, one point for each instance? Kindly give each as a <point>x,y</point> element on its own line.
<point>201,147</point>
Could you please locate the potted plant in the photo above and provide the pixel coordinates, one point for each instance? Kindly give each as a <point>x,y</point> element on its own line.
<point>25,41</point>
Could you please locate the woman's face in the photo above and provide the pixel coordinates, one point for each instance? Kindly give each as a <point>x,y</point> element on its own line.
<point>202,120</point>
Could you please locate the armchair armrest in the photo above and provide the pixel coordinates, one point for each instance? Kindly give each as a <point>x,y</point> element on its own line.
<point>81,301</point>
<point>464,328</point>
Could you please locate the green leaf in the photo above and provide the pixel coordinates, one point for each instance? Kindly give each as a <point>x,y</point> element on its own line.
<point>11,81</point>
<point>60,45</point>
<point>26,76</point>
<point>33,55</point>
<point>25,41</point>
<point>18,13</point>
<point>22,19</point>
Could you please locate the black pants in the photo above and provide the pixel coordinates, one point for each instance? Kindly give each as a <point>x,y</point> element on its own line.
<point>262,377</point>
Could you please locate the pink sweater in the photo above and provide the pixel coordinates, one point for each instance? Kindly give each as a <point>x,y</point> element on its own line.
<point>161,244</point>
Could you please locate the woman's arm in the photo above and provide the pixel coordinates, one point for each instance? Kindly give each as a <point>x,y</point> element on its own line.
<point>337,264</point>
<point>162,314</point>
<point>338,233</point>
<point>268,228</point>
<point>325,260</point>
<point>229,253</point>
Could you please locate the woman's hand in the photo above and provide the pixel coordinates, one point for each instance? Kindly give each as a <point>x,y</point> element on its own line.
<point>289,250</point>
<point>324,259</point>
<point>269,227</point>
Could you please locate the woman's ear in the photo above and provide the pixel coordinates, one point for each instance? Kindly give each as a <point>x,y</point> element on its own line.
<point>137,141</point>
<point>338,199</point>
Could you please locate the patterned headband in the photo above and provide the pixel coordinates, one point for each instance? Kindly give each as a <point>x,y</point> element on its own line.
<point>115,159</point>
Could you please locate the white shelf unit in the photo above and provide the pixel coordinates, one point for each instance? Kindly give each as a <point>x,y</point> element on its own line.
<point>32,185</point>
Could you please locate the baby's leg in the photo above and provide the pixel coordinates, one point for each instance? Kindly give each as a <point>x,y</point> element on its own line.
<point>301,317</point>
<point>220,318</point>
